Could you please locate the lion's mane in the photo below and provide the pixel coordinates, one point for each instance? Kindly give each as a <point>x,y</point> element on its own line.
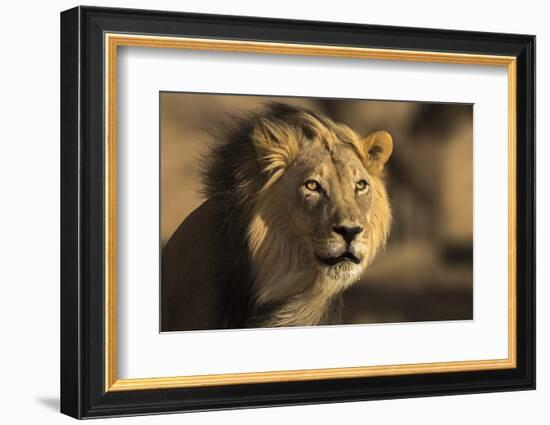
<point>235,181</point>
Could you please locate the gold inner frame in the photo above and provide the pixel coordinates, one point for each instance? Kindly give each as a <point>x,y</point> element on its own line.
<point>113,41</point>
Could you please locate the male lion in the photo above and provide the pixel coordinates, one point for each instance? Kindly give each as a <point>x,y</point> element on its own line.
<point>296,210</point>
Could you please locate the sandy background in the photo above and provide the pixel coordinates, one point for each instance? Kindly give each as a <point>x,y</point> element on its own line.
<point>426,271</point>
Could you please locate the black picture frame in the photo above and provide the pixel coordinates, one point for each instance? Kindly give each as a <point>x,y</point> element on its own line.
<point>83,392</point>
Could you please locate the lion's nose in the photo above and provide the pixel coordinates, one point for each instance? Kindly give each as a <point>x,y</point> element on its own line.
<point>348,232</point>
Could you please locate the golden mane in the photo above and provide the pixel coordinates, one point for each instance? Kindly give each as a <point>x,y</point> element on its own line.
<point>283,273</point>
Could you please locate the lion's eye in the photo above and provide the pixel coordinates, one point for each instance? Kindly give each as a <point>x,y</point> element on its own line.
<point>312,185</point>
<point>361,185</point>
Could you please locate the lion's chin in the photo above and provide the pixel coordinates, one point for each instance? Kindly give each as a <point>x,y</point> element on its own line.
<point>342,273</point>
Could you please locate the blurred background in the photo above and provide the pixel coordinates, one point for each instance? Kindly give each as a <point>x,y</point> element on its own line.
<point>426,271</point>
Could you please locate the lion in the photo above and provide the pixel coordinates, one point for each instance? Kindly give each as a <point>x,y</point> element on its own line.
<point>296,209</point>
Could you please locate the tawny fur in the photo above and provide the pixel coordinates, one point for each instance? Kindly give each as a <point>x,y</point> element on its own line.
<point>284,266</point>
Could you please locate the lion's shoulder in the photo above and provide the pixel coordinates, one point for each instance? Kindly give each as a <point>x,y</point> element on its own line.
<point>189,273</point>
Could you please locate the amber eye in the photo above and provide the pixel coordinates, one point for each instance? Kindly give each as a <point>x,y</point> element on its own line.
<point>361,185</point>
<point>312,185</point>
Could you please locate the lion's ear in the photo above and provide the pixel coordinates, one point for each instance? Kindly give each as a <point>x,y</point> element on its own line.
<point>275,144</point>
<point>377,148</point>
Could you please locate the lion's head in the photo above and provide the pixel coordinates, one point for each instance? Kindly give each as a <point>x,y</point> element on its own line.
<point>313,195</point>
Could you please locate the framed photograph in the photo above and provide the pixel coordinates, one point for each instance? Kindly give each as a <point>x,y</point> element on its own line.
<point>261,212</point>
